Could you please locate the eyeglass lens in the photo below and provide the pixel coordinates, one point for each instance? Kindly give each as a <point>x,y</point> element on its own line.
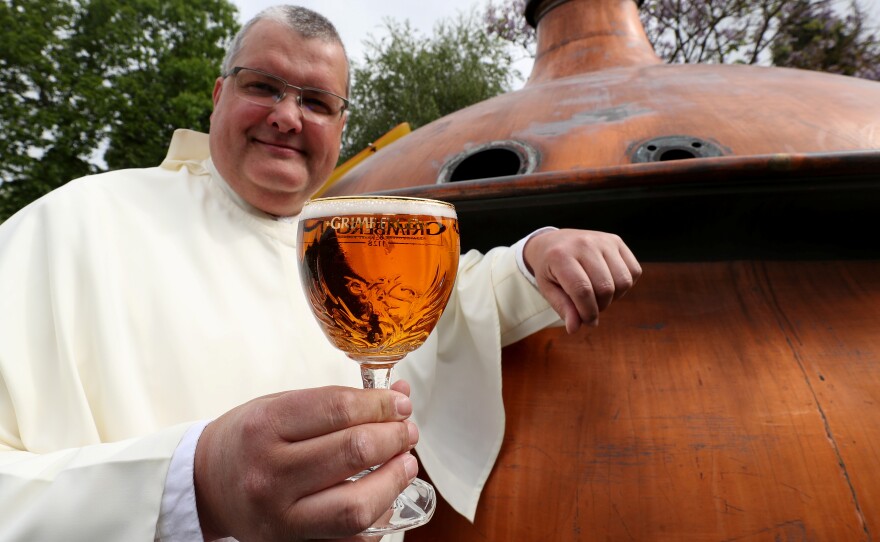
<point>267,90</point>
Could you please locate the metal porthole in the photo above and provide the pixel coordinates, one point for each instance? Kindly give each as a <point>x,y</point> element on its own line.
<point>494,159</point>
<point>666,148</point>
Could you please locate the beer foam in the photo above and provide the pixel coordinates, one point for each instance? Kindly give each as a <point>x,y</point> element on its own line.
<point>353,205</point>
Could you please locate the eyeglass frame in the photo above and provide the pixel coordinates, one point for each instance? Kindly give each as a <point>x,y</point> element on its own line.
<point>346,104</point>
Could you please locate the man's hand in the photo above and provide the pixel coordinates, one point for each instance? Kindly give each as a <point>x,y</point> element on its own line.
<point>275,468</point>
<point>580,272</point>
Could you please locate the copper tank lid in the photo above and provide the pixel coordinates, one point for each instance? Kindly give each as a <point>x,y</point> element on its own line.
<point>598,96</point>
<point>602,114</point>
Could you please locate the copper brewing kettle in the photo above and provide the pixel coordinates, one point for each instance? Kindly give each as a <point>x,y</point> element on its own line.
<point>732,394</point>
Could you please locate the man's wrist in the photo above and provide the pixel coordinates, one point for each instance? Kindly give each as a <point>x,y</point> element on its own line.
<point>519,248</point>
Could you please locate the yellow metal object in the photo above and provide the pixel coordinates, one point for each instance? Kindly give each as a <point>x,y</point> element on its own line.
<point>392,135</point>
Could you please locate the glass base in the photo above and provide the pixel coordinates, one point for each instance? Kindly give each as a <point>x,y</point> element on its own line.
<point>412,508</point>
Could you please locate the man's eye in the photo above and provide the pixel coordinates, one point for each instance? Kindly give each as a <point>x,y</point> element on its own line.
<point>261,88</point>
<point>317,104</point>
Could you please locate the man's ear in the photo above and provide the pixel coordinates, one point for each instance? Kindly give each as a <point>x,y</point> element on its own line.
<point>218,88</point>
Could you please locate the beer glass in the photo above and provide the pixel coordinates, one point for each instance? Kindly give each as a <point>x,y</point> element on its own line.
<point>377,272</point>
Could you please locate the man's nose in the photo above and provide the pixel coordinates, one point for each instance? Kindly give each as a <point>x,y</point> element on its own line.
<point>286,115</point>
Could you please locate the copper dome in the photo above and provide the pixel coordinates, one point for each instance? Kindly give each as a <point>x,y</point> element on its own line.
<point>598,97</point>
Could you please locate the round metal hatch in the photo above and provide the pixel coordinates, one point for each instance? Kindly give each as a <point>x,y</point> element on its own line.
<point>676,147</point>
<point>493,159</point>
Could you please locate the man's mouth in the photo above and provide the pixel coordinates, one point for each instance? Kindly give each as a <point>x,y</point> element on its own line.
<point>278,146</point>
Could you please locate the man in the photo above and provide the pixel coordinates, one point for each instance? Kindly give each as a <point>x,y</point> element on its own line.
<point>136,303</point>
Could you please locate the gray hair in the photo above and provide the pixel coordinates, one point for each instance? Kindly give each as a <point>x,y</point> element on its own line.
<point>303,21</point>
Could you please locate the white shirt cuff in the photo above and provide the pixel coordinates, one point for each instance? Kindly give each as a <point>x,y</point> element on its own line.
<point>518,251</point>
<point>178,516</point>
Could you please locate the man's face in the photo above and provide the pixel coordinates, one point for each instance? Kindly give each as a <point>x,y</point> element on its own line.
<point>273,158</point>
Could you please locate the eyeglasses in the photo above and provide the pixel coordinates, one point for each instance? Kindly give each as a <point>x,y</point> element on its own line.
<point>261,88</point>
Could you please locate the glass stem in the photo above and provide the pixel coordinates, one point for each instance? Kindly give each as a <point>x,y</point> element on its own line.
<point>376,376</point>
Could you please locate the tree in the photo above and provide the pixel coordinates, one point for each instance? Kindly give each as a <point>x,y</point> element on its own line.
<point>406,77</point>
<point>722,31</point>
<point>91,81</point>
<point>508,22</point>
<point>808,34</point>
<point>814,37</point>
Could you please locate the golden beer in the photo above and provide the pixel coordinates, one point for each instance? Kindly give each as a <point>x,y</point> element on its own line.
<point>378,271</point>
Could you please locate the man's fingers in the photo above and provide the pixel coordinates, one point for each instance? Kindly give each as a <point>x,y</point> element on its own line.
<point>588,292</point>
<point>356,505</point>
<point>600,274</point>
<point>625,270</point>
<point>631,263</point>
<point>310,413</point>
<point>346,453</point>
<point>561,303</point>
<point>401,386</point>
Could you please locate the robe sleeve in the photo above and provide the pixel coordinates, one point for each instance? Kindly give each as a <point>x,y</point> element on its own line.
<point>456,375</point>
<point>58,480</point>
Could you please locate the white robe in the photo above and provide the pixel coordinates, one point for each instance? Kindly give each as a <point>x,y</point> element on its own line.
<point>135,302</point>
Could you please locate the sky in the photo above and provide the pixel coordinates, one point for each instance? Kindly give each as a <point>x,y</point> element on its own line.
<point>356,20</point>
